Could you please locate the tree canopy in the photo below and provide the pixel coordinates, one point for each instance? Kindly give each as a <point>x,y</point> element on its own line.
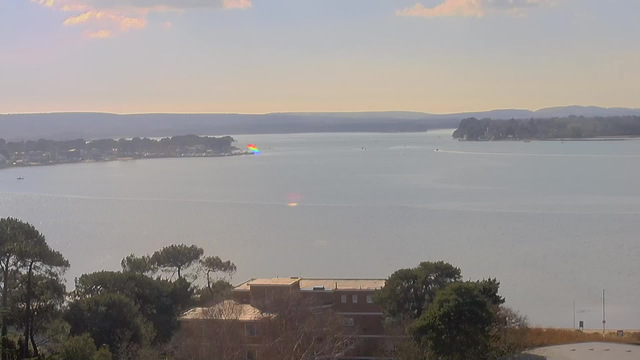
<point>31,267</point>
<point>126,314</point>
<point>110,319</point>
<point>553,128</point>
<point>142,265</point>
<point>408,291</point>
<point>446,318</point>
<point>177,258</point>
<point>456,326</point>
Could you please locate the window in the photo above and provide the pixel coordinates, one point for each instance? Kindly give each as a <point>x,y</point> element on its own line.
<point>251,330</point>
<point>354,299</point>
<point>343,299</point>
<point>348,322</point>
<point>369,299</point>
<point>251,354</point>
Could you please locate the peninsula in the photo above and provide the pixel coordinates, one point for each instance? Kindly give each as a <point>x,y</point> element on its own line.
<point>572,127</point>
<point>50,152</point>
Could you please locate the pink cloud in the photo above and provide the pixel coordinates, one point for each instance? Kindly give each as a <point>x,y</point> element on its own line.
<point>79,19</point>
<point>121,21</point>
<point>73,7</point>
<point>469,8</point>
<point>236,4</point>
<point>123,15</point>
<point>46,3</point>
<point>100,34</point>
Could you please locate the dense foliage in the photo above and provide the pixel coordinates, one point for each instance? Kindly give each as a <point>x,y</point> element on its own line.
<point>439,316</point>
<point>110,315</point>
<point>124,146</point>
<point>555,128</point>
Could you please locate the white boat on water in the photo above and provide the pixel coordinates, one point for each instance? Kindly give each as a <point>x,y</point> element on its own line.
<point>20,178</point>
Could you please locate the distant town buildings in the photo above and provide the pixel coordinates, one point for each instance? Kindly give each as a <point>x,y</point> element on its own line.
<point>49,152</point>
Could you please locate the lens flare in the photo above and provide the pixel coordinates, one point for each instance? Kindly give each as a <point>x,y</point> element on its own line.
<point>253,149</point>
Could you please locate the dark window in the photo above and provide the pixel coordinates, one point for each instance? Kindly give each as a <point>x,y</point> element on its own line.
<point>251,330</point>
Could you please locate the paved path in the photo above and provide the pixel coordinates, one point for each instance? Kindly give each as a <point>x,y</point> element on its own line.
<point>585,351</point>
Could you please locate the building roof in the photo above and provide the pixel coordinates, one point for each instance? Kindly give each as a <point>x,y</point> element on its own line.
<point>225,310</point>
<point>273,282</point>
<point>309,283</point>
<point>585,351</point>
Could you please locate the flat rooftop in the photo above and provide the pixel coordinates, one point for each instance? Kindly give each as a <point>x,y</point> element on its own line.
<point>584,351</point>
<point>310,283</point>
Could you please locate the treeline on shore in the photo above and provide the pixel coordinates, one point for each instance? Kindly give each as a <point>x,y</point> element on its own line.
<point>133,313</point>
<point>573,127</point>
<point>123,145</point>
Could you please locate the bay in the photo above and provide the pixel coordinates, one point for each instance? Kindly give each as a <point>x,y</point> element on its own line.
<point>553,221</point>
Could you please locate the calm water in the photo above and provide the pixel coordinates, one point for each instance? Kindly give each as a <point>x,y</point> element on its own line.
<point>554,222</point>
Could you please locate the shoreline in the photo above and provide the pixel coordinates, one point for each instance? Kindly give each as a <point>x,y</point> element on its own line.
<point>123,159</point>
<point>622,138</point>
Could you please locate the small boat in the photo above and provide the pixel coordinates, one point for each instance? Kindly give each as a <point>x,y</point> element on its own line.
<point>20,178</point>
<point>437,150</point>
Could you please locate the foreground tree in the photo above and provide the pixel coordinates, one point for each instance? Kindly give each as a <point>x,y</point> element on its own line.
<point>457,325</point>
<point>47,299</point>
<point>82,347</point>
<point>29,265</point>
<point>508,334</point>
<point>175,259</point>
<point>217,274</point>
<point>11,233</point>
<point>110,319</point>
<point>158,301</point>
<point>435,315</point>
<point>142,265</point>
<point>408,291</point>
<point>215,269</point>
<point>39,262</point>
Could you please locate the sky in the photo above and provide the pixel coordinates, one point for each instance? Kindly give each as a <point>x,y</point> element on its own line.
<point>259,56</point>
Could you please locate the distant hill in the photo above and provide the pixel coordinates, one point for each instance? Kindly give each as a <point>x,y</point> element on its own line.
<point>64,126</point>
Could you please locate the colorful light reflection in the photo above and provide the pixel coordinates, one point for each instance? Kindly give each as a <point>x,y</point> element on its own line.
<point>253,149</point>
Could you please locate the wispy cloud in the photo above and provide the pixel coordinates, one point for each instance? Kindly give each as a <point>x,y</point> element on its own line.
<point>166,24</point>
<point>100,34</point>
<point>123,22</point>
<point>47,3</point>
<point>470,8</point>
<point>236,4</point>
<point>122,15</point>
<point>158,5</point>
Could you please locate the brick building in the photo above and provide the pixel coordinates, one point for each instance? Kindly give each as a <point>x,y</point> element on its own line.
<point>351,299</point>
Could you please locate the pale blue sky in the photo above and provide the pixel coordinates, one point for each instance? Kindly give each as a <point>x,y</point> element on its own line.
<point>317,55</point>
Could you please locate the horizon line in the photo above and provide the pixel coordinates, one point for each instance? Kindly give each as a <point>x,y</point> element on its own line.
<point>313,112</point>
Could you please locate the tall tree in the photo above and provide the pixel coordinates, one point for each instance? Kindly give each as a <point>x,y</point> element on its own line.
<point>110,319</point>
<point>457,325</point>
<point>177,258</point>
<point>155,298</point>
<point>47,299</point>
<point>10,234</point>
<point>141,265</point>
<point>408,291</point>
<point>212,266</point>
<point>36,259</point>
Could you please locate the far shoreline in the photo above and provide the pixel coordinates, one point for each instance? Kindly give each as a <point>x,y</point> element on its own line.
<point>123,159</point>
